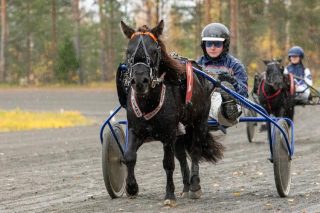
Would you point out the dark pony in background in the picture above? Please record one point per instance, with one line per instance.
(275, 90)
(155, 104)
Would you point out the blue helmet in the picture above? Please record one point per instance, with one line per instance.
(296, 51)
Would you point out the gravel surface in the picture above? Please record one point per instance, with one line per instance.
(59, 170)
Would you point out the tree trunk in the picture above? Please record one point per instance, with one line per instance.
(29, 74)
(103, 38)
(271, 28)
(54, 26)
(212, 11)
(149, 5)
(234, 27)
(3, 73)
(76, 15)
(110, 42)
(53, 50)
(287, 44)
(157, 11)
(198, 28)
(207, 11)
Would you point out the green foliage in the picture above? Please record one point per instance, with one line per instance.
(265, 29)
(67, 63)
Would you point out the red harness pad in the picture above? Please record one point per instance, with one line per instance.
(292, 88)
(189, 73)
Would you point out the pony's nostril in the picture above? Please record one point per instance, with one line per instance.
(145, 81)
(139, 86)
(133, 81)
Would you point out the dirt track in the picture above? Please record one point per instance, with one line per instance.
(60, 170)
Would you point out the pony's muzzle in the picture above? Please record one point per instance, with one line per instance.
(141, 84)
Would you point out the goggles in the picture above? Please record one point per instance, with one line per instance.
(217, 44)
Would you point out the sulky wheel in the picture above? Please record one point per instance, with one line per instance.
(251, 126)
(114, 170)
(314, 96)
(281, 159)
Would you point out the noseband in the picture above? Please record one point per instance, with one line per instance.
(151, 65)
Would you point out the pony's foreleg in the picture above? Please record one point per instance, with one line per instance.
(181, 155)
(168, 165)
(130, 157)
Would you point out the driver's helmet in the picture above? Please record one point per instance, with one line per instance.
(296, 51)
(216, 32)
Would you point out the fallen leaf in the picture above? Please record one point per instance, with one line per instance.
(259, 173)
(236, 194)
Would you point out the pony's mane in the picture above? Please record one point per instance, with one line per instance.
(144, 28)
(171, 66)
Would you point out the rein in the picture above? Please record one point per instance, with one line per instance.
(268, 97)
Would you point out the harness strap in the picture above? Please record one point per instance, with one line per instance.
(271, 96)
(189, 73)
(292, 89)
(145, 33)
(151, 114)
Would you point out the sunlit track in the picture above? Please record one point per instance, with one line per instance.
(60, 170)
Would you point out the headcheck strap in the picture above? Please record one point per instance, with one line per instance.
(189, 74)
(144, 33)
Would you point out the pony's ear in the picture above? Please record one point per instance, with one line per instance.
(279, 60)
(282, 68)
(127, 31)
(266, 62)
(157, 31)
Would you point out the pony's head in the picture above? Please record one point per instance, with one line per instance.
(143, 56)
(274, 73)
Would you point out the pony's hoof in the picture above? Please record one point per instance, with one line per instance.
(131, 196)
(132, 193)
(196, 194)
(184, 195)
(170, 203)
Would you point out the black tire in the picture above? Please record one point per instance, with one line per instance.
(251, 126)
(114, 170)
(281, 159)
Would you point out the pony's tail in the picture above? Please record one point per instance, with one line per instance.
(209, 149)
(212, 150)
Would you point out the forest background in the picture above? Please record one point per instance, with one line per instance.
(80, 41)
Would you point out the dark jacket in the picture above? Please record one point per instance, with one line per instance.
(230, 64)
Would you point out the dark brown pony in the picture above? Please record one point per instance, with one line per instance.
(274, 91)
(155, 104)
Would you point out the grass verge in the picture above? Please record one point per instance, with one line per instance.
(18, 120)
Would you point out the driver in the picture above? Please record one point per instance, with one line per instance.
(302, 75)
(215, 40)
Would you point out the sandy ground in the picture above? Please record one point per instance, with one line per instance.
(59, 170)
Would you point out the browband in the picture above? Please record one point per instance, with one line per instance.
(144, 33)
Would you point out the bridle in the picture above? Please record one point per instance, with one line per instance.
(267, 97)
(271, 63)
(153, 66)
